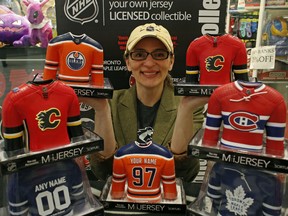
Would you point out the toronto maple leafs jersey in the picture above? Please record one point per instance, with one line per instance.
(45, 113)
(76, 58)
(212, 59)
(247, 110)
(144, 167)
(50, 189)
(237, 190)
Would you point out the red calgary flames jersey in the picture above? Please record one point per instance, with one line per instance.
(214, 58)
(144, 167)
(247, 110)
(75, 58)
(44, 110)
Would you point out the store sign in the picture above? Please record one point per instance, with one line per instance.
(263, 57)
(110, 22)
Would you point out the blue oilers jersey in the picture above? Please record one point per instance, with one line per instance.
(52, 189)
(237, 190)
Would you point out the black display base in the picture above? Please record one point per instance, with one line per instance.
(257, 160)
(91, 142)
(164, 207)
(97, 210)
(87, 90)
(188, 89)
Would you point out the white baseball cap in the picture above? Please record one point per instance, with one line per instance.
(149, 30)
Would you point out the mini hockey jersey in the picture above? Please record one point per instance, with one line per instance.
(76, 58)
(51, 189)
(144, 166)
(212, 59)
(237, 190)
(45, 113)
(247, 110)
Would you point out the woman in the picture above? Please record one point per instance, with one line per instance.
(151, 102)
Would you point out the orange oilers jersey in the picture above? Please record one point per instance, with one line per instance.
(46, 113)
(76, 58)
(144, 167)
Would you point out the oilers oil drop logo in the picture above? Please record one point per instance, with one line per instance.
(75, 60)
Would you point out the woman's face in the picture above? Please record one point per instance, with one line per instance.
(149, 73)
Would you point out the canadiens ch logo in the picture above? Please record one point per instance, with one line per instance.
(243, 121)
(81, 11)
(214, 63)
(75, 60)
(48, 119)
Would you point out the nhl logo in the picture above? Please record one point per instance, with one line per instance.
(11, 166)
(82, 11)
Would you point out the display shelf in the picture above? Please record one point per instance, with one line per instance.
(233, 176)
(164, 207)
(91, 142)
(235, 156)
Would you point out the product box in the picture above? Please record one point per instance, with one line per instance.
(232, 189)
(58, 188)
(174, 207)
(252, 159)
(86, 90)
(91, 142)
(182, 88)
(50, 182)
(239, 182)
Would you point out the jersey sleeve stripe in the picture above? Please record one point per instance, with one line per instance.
(275, 138)
(49, 62)
(213, 116)
(191, 72)
(240, 71)
(51, 68)
(118, 180)
(74, 123)
(169, 182)
(275, 124)
(96, 72)
(13, 135)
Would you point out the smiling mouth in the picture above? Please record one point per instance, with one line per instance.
(149, 73)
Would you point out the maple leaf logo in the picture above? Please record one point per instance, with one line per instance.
(237, 203)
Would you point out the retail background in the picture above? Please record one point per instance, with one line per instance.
(110, 23)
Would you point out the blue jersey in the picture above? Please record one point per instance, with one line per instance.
(237, 190)
(52, 189)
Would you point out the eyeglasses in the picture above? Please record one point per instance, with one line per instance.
(140, 55)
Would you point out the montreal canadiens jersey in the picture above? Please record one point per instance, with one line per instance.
(237, 190)
(212, 59)
(51, 189)
(144, 167)
(76, 58)
(247, 110)
(45, 113)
